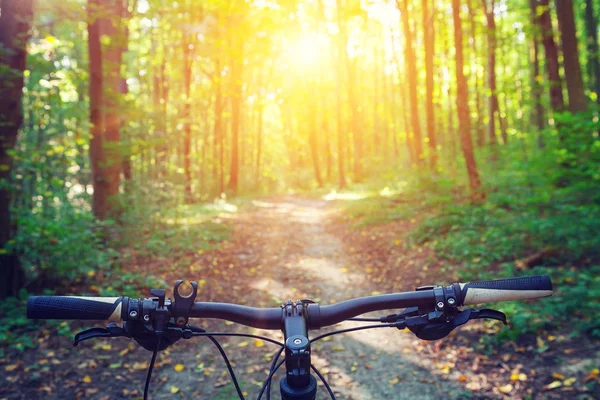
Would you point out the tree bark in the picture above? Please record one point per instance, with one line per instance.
(536, 87)
(411, 66)
(428, 24)
(96, 89)
(573, 76)
(479, 129)
(236, 104)
(15, 24)
(493, 107)
(462, 106)
(341, 50)
(113, 54)
(552, 67)
(187, 127)
(593, 56)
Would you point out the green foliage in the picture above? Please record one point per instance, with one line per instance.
(62, 242)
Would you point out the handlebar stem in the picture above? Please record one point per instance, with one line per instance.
(298, 380)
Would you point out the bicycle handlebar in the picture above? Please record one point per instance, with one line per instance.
(76, 307)
(116, 308)
(527, 287)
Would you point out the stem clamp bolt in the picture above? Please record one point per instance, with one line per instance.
(133, 314)
(451, 301)
(147, 318)
(440, 304)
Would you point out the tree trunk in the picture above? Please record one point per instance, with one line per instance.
(187, 127)
(573, 77)
(536, 87)
(556, 95)
(236, 103)
(479, 129)
(15, 24)
(113, 54)
(491, 67)
(411, 66)
(593, 56)
(341, 50)
(96, 88)
(428, 23)
(259, 134)
(312, 138)
(462, 106)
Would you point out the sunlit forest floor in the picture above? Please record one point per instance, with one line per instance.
(304, 247)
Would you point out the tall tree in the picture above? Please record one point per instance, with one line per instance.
(237, 63)
(411, 72)
(113, 29)
(96, 88)
(428, 25)
(462, 105)
(15, 23)
(593, 53)
(493, 110)
(557, 101)
(536, 88)
(479, 129)
(340, 53)
(573, 76)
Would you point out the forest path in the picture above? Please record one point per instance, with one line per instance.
(298, 244)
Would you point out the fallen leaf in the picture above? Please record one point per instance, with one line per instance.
(242, 344)
(556, 375)
(553, 385)
(174, 389)
(87, 379)
(11, 367)
(394, 381)
(518, 377)
(506, 389)
(338, 348)
(462, 378)
(569, 381)
(593, 374)
(179, 367)
(259, 343)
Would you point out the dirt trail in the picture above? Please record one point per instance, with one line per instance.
(311, 262)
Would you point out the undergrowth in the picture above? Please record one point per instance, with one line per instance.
(524, 213)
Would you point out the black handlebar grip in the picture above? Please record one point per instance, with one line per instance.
(75, 307)
(528, 287)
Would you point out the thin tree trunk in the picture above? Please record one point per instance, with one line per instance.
(187, 128)
(97, 157)
(536, 87)
(428, 22)
(236, 103)
(312, 138)
(491, 67)
(556, 95)
(259, 134)
(462, 106)
(113, 54)
(341, 50)
(573, 76)
(479, 129)
(411, 70)
(15, 24)
(593, 56)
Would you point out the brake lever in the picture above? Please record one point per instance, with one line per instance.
(111, 330)
(433, 329)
